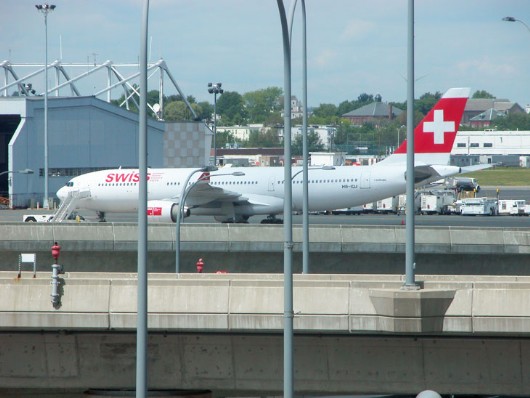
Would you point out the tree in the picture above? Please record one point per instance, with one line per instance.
(482, 94)
(364, 99)
(261, 103)
(176, 111)
(513, 121)
(230, 107)
(263, 139)
(425, 103)
(345, 107)
(224, 137)
(206, 110)
(314, 144)
(324, 114)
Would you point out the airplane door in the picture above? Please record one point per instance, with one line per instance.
(365, 179)
(271, 184)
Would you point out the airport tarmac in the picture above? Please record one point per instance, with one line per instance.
(363, 219)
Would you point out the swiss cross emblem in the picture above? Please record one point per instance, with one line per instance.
(438, 126)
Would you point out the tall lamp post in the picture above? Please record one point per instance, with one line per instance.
(45, 9)
(512, 19)
(215, 88)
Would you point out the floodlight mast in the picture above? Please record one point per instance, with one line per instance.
(215, 88)
(45, 9)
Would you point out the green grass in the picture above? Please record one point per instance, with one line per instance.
(502, 176)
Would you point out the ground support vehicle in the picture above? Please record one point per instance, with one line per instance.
(479, 206)
(438, 202)
(512, 207)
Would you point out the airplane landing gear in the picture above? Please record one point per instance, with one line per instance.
(271, 219)
(101, 216)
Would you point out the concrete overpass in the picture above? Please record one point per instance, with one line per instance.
(354, 334)
(259, 248)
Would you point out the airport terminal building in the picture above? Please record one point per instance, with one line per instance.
(84, 134)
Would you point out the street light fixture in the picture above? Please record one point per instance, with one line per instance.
(215, 88)
(512, 19)
(186, 188)
(313, 168)
(23, 171)
(45, 9)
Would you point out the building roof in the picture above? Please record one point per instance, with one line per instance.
(375, 109)
(489, 114)
(483, 104)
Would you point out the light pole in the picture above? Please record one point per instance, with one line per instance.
(142, 272)
(512, 19)
(305, 211)
(186, 188)
(399, 131)
(45, 9)
(215, 88)
(288, 313)
(305, 151)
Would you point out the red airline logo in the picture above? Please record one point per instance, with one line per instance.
(131, 176)
(154, 211)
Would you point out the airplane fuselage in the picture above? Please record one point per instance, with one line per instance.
(234, 194)
(345, 186)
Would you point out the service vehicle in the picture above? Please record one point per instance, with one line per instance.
(463, 184)
(74, 216)
(512, 207)
(37, 217)
(349, 210)
(387, 205)
(438, 202)
(479, 206)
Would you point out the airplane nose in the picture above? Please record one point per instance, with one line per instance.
(61, 193)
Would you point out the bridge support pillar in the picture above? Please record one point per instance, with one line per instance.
(411, 311)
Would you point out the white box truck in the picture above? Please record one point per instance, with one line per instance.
(512, 207)
(437, 202)
(479, 207)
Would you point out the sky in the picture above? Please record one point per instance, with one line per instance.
(353, 46)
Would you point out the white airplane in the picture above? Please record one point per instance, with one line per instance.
(235, 194)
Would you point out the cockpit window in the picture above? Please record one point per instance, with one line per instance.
(70, 184)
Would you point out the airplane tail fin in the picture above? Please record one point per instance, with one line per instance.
(435, 134)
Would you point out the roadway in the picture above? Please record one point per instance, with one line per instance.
(353, 334)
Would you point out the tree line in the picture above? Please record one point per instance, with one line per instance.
(265, 107)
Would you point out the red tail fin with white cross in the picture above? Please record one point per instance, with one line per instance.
(435, 134)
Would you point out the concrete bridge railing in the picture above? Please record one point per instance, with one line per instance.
(259, 248)
(335, 304)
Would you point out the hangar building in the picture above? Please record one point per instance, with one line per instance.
(84, 134)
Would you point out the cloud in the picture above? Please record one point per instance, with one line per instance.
(356, 29)
(487, 66)
(325, 58)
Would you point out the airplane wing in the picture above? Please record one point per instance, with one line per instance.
(477, 167)
(202, 194)
(425, 173)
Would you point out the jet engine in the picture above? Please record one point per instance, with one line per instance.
(164, 211)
